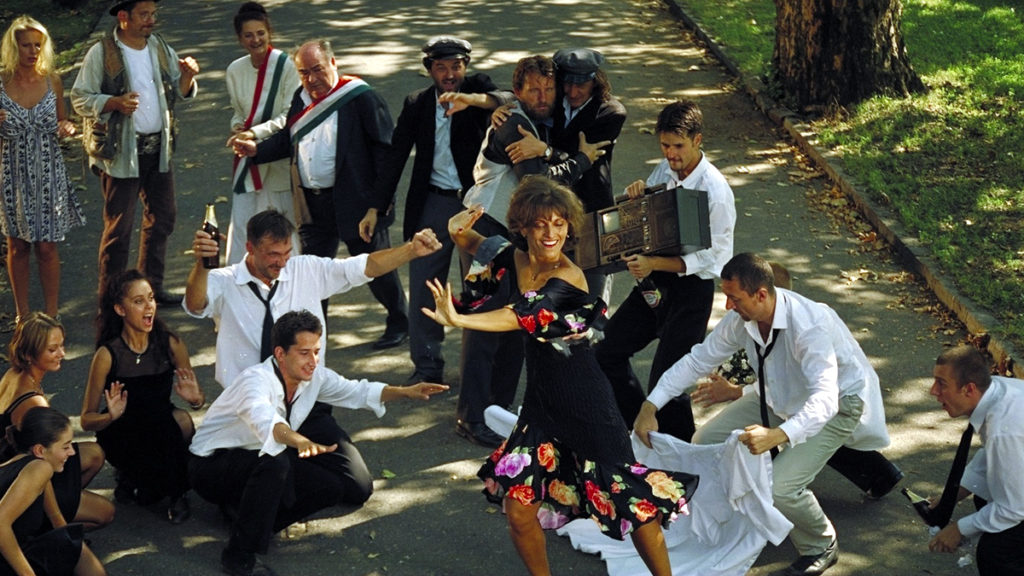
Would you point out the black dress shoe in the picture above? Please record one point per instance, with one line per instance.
(815, 564)
(478, 433)
(166, 298)
(243, 564)
(884, 484)
(179, 510)
(390, 340)
(418, 377)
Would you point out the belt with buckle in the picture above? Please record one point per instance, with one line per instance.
(318, 191)
(147, 143)
(448, 192)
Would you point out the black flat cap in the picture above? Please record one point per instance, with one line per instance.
(120, 5)
(443, 47)
(578, 65)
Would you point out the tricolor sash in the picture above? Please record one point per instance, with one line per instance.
(347, 88)
(245, 176)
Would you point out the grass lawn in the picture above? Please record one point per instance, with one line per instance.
(949, 162)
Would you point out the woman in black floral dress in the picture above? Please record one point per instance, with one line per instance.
(569, 455)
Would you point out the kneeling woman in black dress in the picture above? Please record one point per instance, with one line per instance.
(569, 455)
(34, 538)
(137, 363)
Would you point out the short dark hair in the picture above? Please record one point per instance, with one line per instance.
(30, 339)
(270, 224)
(968, 364)
(251, 11)
(751, 271)
(536, 64)
(40, 425)
(682, 118)
(290, 324)
(536, 197)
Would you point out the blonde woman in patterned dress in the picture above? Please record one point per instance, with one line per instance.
(37, 202)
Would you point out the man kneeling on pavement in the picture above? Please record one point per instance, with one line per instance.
(252, 456)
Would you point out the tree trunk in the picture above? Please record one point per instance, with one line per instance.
(840, 51)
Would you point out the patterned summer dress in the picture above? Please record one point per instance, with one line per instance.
(570, 449)
(37, 200)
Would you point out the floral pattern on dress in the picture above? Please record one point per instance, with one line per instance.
(532, 468)
(38, 202)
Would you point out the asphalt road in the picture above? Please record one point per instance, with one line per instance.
(427, 516)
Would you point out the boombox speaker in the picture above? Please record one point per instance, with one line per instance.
(664, 222)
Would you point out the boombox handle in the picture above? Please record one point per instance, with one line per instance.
(657, 188)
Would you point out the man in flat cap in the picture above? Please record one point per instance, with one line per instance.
(490, 377)
(126, 92)
(588, 107)
(584, 105)
(446, 123)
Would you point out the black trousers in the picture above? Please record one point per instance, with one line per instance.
(272, 492)
(863, 468)
(1000, 553)
(491, 362)
(321, 237)
(679, 323)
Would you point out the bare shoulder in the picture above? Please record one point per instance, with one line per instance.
(567, 270)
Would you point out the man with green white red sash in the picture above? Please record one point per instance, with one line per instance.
(339, 132)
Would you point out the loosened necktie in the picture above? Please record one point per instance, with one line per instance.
(266, 349)
(760, 379)
(943, 511)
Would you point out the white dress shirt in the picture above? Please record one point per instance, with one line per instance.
(303, 283)
(443, 173)
(707, 263)
(245, 413)
(317, 151)
(996, 473)
(812, 365)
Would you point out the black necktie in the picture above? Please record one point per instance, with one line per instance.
(943, 511)
(268, 319)
(760, 380)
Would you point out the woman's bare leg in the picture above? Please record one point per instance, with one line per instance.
(649, 542)
(18, 252)
(88, 564)
(184, 420)
(92, 457)
(94, 511)
(48, 261)
(528, 536)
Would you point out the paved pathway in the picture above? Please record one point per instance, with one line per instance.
(428, 517)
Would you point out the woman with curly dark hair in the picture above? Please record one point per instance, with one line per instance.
(569, 455)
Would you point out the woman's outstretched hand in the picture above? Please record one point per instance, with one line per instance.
(464, 220)
(444, 311)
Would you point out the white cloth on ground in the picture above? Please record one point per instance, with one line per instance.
(731, 515)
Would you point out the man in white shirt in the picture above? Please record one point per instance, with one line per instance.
(298, 283)
(136, 108)
(686, 283)
(251, 457)
(995, 408)
(814, 383)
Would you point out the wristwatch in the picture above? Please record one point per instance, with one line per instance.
(547, 153)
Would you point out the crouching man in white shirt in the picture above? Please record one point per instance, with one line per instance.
(813, 388)
(251, 459)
